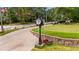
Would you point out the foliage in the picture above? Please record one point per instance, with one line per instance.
(30, 14)
(23, 15)
(63, 13)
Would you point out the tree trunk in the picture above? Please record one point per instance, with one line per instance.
(2, 29)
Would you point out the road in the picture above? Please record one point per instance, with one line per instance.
(8, 27)
(20, 40)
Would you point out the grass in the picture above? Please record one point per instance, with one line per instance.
(6, 32)
(55, 47)
(61, 30)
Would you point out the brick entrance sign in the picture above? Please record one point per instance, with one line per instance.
(58, 40)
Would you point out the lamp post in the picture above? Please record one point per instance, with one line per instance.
(2, 11)
(62, 17)
(46, 14)
(39, 22)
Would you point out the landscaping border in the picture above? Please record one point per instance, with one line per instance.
(58, 40)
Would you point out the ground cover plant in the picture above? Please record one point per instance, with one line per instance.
(55, 47)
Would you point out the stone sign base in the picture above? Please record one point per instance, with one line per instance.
(58, 40)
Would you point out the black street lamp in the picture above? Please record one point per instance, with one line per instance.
(39, 22)
(46, 9)
(2, 11)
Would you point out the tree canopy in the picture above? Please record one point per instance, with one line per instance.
(29, 14)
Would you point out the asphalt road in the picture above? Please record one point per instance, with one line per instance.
(20, 40)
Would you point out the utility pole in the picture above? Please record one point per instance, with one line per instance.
(46, 16)
(2, 11)
(1, 20)
(2, 29)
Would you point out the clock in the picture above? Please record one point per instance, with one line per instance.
(38, 21)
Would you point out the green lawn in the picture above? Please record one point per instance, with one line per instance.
(55, 47)
(61, 30)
